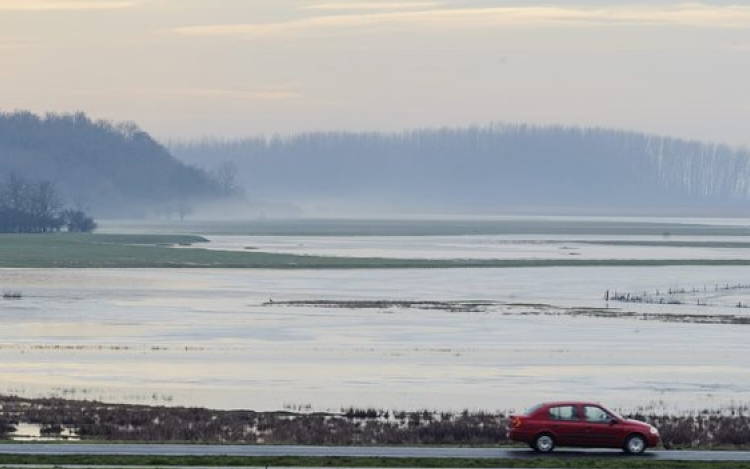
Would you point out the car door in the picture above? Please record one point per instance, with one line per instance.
(600, 427)
(565, 424)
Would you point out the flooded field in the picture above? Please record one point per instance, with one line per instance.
(319, 340)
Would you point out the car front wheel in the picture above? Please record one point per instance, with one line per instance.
(635, 444)
(544, 443)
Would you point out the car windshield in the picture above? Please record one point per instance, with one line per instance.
(613, 413)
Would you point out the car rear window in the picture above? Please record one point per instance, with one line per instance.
(563, 412)
(531, 410)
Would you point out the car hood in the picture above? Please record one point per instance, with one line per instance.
(636, 423)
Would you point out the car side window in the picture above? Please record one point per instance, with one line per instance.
(595, 414)
(563, 412)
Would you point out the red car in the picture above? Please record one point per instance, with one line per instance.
(585, 424)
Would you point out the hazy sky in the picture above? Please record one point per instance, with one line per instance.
(192, 68)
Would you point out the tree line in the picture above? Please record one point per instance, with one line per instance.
(28, 206)
(117, 169)
(497, 168)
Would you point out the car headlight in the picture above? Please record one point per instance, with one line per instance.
(654, 431)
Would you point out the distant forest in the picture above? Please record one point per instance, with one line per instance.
(493, 169)
(108, 170)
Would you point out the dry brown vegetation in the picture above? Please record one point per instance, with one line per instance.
(92, 420)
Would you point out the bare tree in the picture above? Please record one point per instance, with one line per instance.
(225, 176)
(77, 221)
(44, 201)
(14, 193)
(184, 209)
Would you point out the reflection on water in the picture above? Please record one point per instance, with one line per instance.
(212, 338)
(553, 247)
(225, 338)
(35, 432)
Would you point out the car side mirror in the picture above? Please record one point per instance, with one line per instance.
(613, 421)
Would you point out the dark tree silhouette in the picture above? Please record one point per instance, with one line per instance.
(36, 207)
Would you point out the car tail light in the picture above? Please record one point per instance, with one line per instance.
(515, 422)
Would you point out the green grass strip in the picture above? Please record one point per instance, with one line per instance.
(65, 250)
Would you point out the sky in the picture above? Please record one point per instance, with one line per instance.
(188, 69)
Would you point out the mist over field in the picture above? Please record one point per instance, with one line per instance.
(489, 170)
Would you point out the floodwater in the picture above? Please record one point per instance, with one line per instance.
(226, 339)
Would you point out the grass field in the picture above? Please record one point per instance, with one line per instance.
(64, 250)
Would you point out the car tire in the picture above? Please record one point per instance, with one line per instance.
(635, 444)
(544, 443)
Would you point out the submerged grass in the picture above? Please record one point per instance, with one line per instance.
(66, 250)
(92, 421)
(120, 423)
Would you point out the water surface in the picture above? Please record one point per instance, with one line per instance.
(224, 338)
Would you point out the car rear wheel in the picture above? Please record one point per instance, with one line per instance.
(635, 444)
(544, 443)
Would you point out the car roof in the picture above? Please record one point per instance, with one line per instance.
(559, 403)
